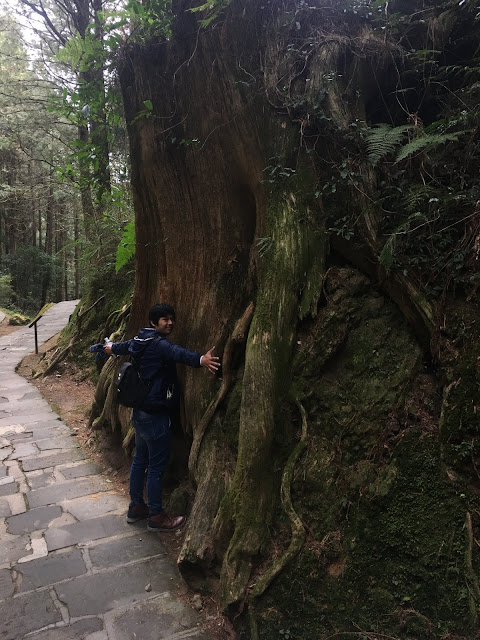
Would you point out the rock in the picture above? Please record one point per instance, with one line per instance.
(17, 319)
(148, 587)
(197, 602)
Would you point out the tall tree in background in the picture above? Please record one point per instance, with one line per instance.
(69, 61)
(78, 26)
(31, 151)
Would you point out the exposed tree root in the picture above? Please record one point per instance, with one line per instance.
(238, 336)
(102, 410)
(103, 396)
(298, 530)
(116, 321)
(470, 576)
(252, 619)
(128, 440)
(60, 353)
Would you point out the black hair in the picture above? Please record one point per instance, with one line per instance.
(160, 311)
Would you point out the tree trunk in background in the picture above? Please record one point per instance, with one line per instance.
(34, 224)
(249, 116)
(90, 222)
(40, 246)
(76, 254)
(49, 221)
(60, 254)
(49, 243)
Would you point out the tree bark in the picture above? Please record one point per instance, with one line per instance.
(249, 116)
(199, 181)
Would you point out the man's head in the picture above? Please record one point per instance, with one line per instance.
(162, 318)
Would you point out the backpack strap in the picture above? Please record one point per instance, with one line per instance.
(135, 360)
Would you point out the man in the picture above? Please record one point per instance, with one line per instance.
(157, 358)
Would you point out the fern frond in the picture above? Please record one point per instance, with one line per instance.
(426, 140)
(387, 255)
(417, 196)
(126, 246)
(384, 139)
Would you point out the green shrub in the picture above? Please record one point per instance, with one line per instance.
(6, 291)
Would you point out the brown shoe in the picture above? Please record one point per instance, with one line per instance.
(165, 522)
(138, 512)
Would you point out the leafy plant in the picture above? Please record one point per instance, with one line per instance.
(343, 227)
(212, 8)
(276, 172)
(6, 290)
(425, 141)
(126, 247)
(383, 139)
(387, 255)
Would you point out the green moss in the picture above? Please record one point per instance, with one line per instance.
(231, 418)
(387, 551)
(117, 292)
(397, 568)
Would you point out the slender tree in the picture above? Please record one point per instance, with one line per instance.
(31, 147)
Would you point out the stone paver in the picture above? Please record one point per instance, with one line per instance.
(81, 630)
(39, 478)
(13, 548)
(95, 505)
(33, 520)
(27, 613)
(155, 619)
(100, 592)
(87, 469)
(8, 489)
(66, 491)
(71, 568)
(80, 532)
(60, 442)
(139, 546)
(6, 584)
(53, 568)
(24, 449)
(43, 462)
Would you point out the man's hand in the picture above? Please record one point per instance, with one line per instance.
(210, 362)
(108, 349)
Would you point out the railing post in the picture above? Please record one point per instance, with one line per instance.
(33, 323)
(36, 337)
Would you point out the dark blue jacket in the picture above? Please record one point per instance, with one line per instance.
(157, 358)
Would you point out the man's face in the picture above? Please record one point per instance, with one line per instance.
(164, 325)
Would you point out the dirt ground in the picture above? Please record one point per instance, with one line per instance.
(70, 392)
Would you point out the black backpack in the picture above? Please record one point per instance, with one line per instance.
(132, 389)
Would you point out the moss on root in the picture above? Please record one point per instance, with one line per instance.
(395, 567)
(113, 294)
(388, 550)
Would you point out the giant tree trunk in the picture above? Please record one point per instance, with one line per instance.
(248, 117)
(223, 182)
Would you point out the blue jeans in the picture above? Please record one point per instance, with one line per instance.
(152, 450)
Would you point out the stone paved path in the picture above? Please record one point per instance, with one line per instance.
(70, 566)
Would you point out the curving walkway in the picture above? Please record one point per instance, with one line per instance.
(70, 566)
